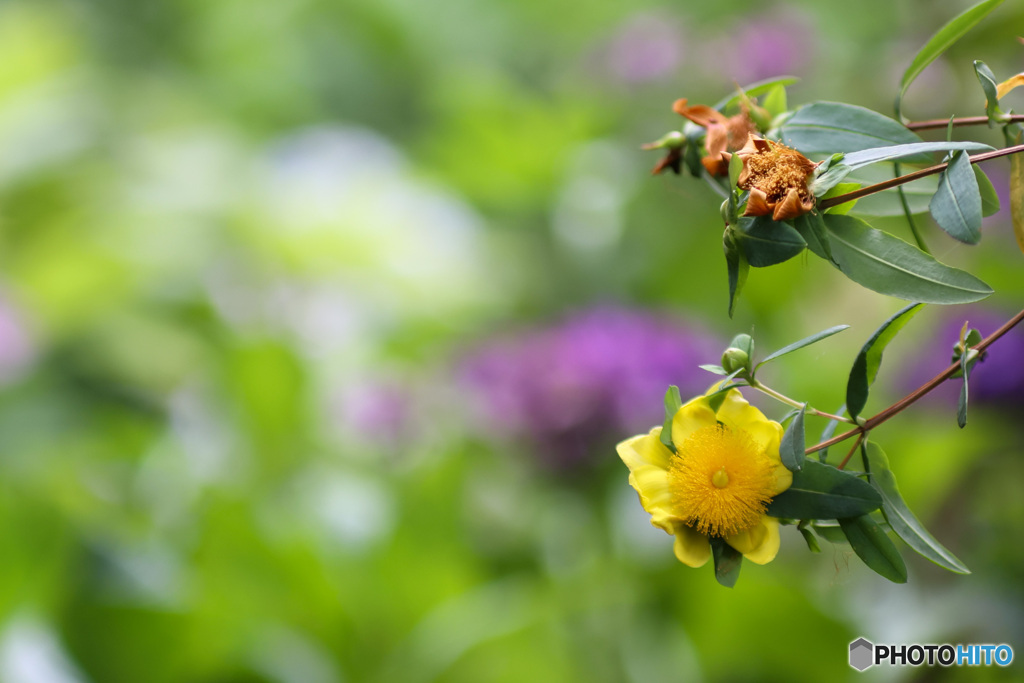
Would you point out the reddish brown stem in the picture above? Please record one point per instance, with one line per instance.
(932, 124)
(909, 177)
(852, 451)
(912, 397)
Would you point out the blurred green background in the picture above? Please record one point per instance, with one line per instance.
(319, 321)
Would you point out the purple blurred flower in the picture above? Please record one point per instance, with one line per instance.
(599, 374)
(375, 410)
(996, 381)
(762, 46)
(16, 349)
(647, 47)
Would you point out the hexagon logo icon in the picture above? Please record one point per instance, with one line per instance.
(861, 654)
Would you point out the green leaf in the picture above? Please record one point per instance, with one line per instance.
(835, 173)
(902, 520)
(827, 127)
(866, 157)
(806, 341)
(716, 369)
(824, 492)
(811, 227)
(956, 206)
(736, 263)
(755, 89)
(961, 407)
(673, 402)
(865, 366)
(775, 100)
(873, 547)
(716, 397)
(766, 242)
(830, 531)
(743, 342)
(940, 42)
(989, 196)
(791, 450)
(812, 542)
(988, 85)
(841, 188)
(691, 156)
(735, 168)
(887, 203)
(829, 432)
(890, 266)
(728, 562)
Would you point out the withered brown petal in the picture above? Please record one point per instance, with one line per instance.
(790, 207)
(701, 114)
(757, 204)
(716, 165)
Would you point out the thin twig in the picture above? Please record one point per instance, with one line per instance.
(912, 397)
(852, 451)
(932, 124)
(910, 177)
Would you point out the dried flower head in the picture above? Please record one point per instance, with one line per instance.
(724, 133)
(777, 177)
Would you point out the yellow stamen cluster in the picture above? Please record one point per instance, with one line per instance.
(777, 177)
(777, 169)
(721, 482)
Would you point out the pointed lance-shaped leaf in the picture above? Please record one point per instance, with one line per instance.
(906, 525)
(736, 263)
(874, 548)
(988, 85)
(823, 492)
(869, 359)
(989, 197)
(673, 402)
(791, 449)
(956, 205)
(827, 127)
(829, 178)
(806, 341)
(888, 265)
(811, 227)
(940, 42)
(766, 242)
(829, 431)
(755, 89)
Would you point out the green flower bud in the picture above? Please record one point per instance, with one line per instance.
(735, 359)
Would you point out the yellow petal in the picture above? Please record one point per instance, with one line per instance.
(736, 413)
(783, 478)
(692, 547)
(645, 449)
(655, 496)
(1009, 84)
(692, 416)
(647, 460)
(760, 545)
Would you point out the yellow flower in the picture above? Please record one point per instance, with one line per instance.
(777, 177)
(725, 471)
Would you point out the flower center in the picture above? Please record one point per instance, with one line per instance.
(720, 481)
(777, 170)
